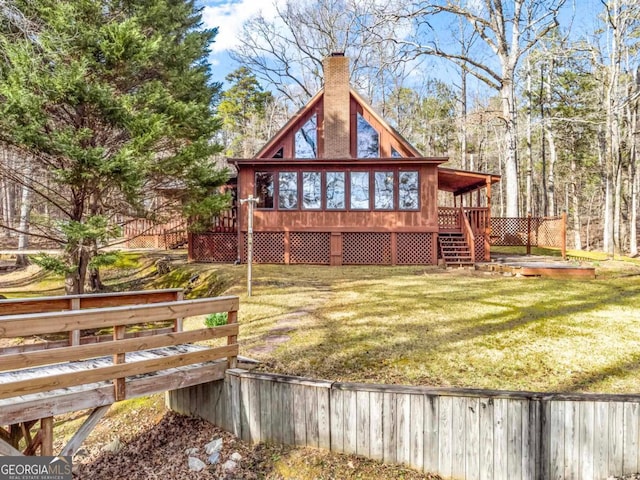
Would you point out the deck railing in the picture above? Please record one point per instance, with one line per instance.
(118, 319)
(450, 218)
(469, 237)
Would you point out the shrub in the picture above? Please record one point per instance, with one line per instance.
(216, 319)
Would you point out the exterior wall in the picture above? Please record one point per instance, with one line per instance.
(423, 220)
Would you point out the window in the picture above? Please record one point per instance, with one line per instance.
(368, 140)
(264, 189)
(359, 190)
(279, 153)
(394, 153)
(383, 191)
(335, 190)
(311, 190)
(408, 191)
(287, 190)
(306, 139)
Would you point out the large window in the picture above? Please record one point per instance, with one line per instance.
(408, 188)
(306, 139)
(359, 199)
(311, 190)
(264, 189)
(368, 139)
(335, 190)
(383, 191)
(287, 190)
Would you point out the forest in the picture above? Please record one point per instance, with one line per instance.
(105, 103)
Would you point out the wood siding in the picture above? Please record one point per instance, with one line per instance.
(456, 433)
(423, 220)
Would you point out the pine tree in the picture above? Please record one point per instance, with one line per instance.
(113, 100)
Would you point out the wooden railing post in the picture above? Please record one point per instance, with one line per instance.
(178, 322)
(232, 317)
(529, 234)
(74, 335)
(119, 383)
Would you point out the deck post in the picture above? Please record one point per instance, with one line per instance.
(563, 233)
(74, 335)
(119, 383)
(46, 436)
(529, 234)
(232, 317)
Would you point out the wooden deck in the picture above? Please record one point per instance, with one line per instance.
(38, 382)
(543, 269)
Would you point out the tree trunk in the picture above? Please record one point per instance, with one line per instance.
(22, 260)
(511, 149)
(529, 175)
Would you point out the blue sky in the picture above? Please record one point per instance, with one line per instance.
(228, 16)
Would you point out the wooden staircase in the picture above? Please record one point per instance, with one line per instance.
(454, 249)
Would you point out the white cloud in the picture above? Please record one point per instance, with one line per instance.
(229, 16)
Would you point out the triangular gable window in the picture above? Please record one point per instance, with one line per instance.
(394, 153)
(279, 153)
(368, 139)
(306, 139)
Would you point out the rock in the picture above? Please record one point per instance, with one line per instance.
(191, 451)
(114, 446)
(214, 458)
(195, 464)
(213, 446)
(163, 266)
(236, 457)
(229, 466)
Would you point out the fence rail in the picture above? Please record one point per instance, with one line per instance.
(456, 433)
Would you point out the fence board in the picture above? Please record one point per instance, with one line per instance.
(601, 440)
(486, 439)
(431, 433)
(586, 440)
(458, 439)
(416, 458)
(500, 439)
(514, 429)
(376, 405)
(571, 441)
(616, 436)
(266, 410)
(350, 425)
(445, 453)
(389, 428)
(324, 426)
(472, 446)
(299, 414)
(311, 419)
(556, 443)
(630, 454)
(337, 420)
(362, 423)
(403, 418)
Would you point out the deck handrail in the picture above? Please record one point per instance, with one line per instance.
(117, 318)
(469, 237)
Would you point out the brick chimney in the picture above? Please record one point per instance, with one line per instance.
(337, 143)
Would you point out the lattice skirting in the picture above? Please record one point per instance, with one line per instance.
(416, 248)
(310, 247)
(363, 248)
(146, 241)
(214, 247)
(480, 250)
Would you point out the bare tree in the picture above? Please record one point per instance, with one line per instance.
(287, 51)
(508, 29)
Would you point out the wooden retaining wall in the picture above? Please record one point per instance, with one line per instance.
(457, 433)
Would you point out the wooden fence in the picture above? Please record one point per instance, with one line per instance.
(530, 232)
(457, 433)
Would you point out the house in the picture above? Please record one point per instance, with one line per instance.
(338, 185)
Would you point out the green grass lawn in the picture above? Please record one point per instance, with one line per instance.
(426, 326)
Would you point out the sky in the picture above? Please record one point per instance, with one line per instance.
(228, 16)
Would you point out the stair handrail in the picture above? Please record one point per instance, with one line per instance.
(468, 235)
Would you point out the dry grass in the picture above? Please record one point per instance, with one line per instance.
(426, 326)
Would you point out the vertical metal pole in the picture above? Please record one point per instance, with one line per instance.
(250, 201)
